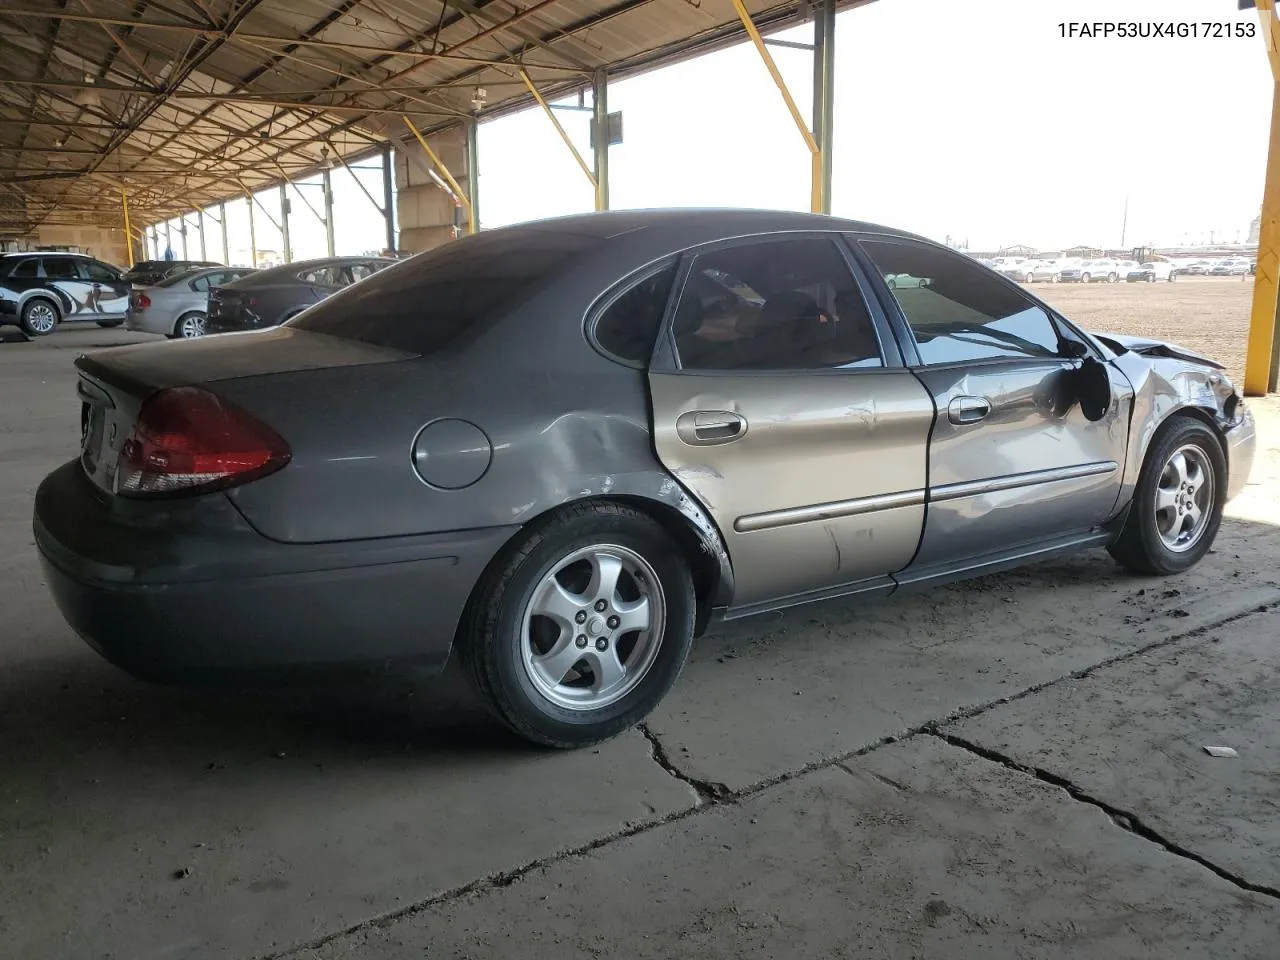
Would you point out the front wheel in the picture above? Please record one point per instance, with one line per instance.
(1173, 277)
(1085, 278)
(1112, 277)
(581, 628)
(1177, 506)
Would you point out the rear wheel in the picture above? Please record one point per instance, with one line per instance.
(1177, 506)
(39, 317)
(1086, 278)
(1112, 277)
(189, 326)
(581, 628)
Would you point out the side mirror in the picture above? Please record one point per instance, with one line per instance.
(1093, 388)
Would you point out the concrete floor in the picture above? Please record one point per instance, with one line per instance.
(1011, 767)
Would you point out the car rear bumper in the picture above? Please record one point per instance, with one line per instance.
(187, 590)
(1242, 441)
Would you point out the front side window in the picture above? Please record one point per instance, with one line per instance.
(774, 305)
(100, 273)
(60, 268)
(957, 311)
(629, 326)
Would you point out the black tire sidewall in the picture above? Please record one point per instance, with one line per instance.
(1180, 433)
(511, 690)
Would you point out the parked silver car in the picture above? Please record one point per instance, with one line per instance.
(178, 306)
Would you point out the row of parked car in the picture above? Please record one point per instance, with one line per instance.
(179, 299)
(1105, 270)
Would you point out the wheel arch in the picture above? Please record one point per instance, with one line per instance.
(49, 296)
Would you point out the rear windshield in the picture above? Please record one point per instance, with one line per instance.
(428, 303)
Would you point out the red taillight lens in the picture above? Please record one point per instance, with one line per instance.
(143, 301)
(188, 440)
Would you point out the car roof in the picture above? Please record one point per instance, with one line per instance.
(273, 274)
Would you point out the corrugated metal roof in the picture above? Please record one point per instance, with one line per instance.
(186, 102)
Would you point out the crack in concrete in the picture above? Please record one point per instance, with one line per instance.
(711, 794)
(707, 791)
(1124, 819)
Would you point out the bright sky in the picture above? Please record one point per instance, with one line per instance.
(973, 119)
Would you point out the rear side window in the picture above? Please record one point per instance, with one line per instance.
(432, 301)
(26, 269)
(628, 327)
(957, 310)
(201, 284)
(60, 268)
(324, 277)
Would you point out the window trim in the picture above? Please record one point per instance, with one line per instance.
(903, 326)
(667, 356)
(600, 306)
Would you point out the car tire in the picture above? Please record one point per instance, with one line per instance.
(108, 324)
(1173, 277)
(40, 317)
(189, 326)
(1029, 278)
(1085, 278)
(1112, 277)
(1176, 508)
(521, 644)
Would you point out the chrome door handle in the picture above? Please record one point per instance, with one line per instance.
(963, 410)
(704, 428)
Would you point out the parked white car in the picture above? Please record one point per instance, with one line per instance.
(1091, 271)
(1047, 271)
(1153, 270)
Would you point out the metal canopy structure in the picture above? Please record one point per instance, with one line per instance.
(183, 103)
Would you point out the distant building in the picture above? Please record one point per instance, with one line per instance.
(1017, 250)
(1082, 252)
(1255, 228)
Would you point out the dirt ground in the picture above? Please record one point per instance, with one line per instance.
(1009, 768)
(1206, 314)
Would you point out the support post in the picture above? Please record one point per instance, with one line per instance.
(128, 233)
(325, 182)
(600, 105)
(444, 172)
(182, 232)
(815, 153)
(204, 253)
(473, 170)
(824, 89)
(287, 252)
(168, 236)
(226, 241)
(388, 196)
(253, 233)
(551, 115)
(1264, 326)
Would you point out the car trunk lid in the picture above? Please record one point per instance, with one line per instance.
(114, 382)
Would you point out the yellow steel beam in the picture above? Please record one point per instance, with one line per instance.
(1270, 34)
(1266, 284)
(551, 115)
(128, 234)
(815, 152)
(444, 172)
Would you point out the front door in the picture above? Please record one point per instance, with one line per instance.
(1013, 458)
(110, 291)
(63, 273)
(783, 406)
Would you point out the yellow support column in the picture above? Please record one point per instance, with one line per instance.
(128, 234)
(546, 108)
(815, 169)
(448, 177)
(1266, 284)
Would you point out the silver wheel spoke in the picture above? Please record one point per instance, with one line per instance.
(1194, 515)
(560, 660)
(605, 570)
(554, 601)
(1166, 499)
(632, 616)
(1178, 464)
(606, 668)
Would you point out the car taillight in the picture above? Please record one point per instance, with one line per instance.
(143, 301)
(187, 440)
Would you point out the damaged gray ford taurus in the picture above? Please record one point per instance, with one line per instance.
(561, 449)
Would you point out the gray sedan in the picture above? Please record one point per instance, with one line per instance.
(178, 306)
(559, 450)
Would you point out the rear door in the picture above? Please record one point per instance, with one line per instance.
(1013, 459)
(781, 402)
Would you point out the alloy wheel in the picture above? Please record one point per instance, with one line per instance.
(1184, 498)
(41, 318)
(191, 327)
(592, 628)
